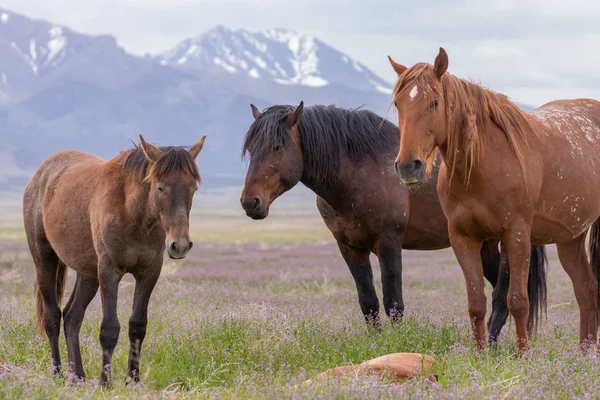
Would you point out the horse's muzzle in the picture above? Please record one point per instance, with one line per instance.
(254, 207)
(412, 172)
(179, 248)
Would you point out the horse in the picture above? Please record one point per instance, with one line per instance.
(104, 219)
(345, 157)
(509, 175)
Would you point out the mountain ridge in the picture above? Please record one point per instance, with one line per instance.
(96, 97)
(278, 54)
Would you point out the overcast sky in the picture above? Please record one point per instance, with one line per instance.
(533, 51)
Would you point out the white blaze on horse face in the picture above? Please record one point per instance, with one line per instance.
(413, 92)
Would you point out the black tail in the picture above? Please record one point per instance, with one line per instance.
(595, 253)
(536, 287)
(61, 280)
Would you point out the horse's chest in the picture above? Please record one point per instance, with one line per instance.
(138, 256)
(347, 227)
(133, 251)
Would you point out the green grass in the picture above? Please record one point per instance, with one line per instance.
(257, 357)
(240, 320)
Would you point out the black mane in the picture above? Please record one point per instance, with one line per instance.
(327, 133)
(173, 158)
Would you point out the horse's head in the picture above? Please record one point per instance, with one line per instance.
(173, 176)
(276, 161)
(419, 100)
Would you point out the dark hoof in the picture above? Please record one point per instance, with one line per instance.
(132, 380)
(396, 318)
(57, 371)
(76, 379)
(374, 326)
(105, 384)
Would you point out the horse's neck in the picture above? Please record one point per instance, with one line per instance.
(491, 147)
(335, 190)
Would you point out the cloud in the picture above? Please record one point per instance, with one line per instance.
(532, 50)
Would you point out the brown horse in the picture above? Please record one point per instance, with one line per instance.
(105, 219)
(507, 174)
(345, 157)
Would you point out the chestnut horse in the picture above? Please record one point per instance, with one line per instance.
(345, 157)
(104, 219)
(507, 175)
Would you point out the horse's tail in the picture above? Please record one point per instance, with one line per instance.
(536, 287)
(61, 280)
(595, 253)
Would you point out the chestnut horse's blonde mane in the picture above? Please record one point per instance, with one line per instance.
(470, 111)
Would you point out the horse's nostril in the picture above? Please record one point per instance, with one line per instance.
(191, 245)
(418, 164)
(173, 247)
(256, 202)
(397, 166)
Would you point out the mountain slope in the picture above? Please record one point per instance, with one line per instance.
(278, 55)
(91, 95)
(32, 50)
(95, 97)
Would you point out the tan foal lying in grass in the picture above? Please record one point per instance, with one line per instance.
(397, 366)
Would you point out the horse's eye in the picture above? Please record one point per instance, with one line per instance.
(434, 104)
(160, 189)
(277, 147)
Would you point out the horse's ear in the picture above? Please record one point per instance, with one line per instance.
(440, 65)
(196, 148)
(255, 111)
(152, 152)
(294, 116)
(399, 68)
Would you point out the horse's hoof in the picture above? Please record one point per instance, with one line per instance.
(132, 380)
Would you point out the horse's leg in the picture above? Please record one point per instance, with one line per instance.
(390, 260)
(85, 290)
(46, 269)
(574, 260)
(468, 254)
(518, 247)
(109, 278)
(360, 267)
(139, 319)
(495, 270)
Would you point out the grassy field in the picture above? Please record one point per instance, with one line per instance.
(258, 307)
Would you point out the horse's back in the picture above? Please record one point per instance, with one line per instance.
(560, 117)
(49, 173)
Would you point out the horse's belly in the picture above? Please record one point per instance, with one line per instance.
(563, 222)
(73, 245)
(67, 227)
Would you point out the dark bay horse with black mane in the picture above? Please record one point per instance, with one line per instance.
(104, 219)
(346, 158)
(510, 175)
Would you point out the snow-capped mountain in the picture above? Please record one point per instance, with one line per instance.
(39, 46)
(60, 89)
(279, 55)
(33, 49)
